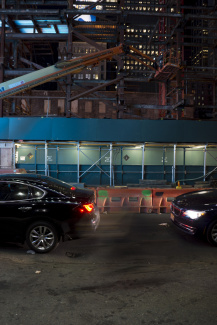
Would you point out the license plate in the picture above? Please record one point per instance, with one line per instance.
(172, 217)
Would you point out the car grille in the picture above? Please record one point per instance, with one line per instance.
(176, 211)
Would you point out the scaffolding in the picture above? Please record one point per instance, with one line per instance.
(37, 34)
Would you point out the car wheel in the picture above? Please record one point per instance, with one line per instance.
(212, 233)
(42, 237)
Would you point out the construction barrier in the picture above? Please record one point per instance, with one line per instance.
(162, 198)
(138, 200)
(118, 199)
(12, 171)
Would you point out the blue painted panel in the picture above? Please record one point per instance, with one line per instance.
(131, 174)
(213, 171)
(27, 167)
(29, 128)
(180, 172)
(154, 172)
(67, 177)
(193, 174)
(91, 176)
(107, 130)
(4, 128)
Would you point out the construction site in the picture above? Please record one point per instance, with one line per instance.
(172, 76)
(111, 92)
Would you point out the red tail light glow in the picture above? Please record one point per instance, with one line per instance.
(87, 208)
(73, 188)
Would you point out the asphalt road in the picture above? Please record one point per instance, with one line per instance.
(137, 269)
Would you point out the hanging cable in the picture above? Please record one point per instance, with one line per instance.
(193, 179)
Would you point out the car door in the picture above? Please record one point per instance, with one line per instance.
(15, 207)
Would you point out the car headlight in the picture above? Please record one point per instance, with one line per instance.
(194, 214)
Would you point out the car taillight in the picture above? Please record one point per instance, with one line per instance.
(73, 188)
(87, 208)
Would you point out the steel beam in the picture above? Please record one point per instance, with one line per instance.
(2, 54)
(37, 66)
(29, 12)
(95, 89)
(87, 40)
(168, 107)
(17, 72)
(36, 37)
(201, 17)
(38, 3)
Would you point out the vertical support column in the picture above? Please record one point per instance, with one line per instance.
(120, 87)
(179, 56)
(143, 161)
(2, 54)
(111, 172)
(162, 30)
(15, 54)
(185, 172)
(69, 56)
(14, 156)
(100, 163)
(57, 156)
(78, 163)
(36, 159)
(122, 171)
(204, 162)
(45, 159)
(174, 165)
(164, 158)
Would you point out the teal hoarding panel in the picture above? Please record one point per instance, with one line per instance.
(179, 156)
(4, 128)
(168, 157)
(89, 156)
(51, 156)
(133, 130)
(26, 155)
(107, 130)
(153, 156)
(211, 157)
(132, 156)
(194, 157)
(29, 128)
(68, 156)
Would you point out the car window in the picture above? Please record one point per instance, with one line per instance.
(36, 192)
(57, 185)
(4, 191)
(12, 191)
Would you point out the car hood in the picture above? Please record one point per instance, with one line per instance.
(197, 200)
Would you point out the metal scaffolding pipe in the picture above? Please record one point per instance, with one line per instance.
(36, 37)
(29, 12)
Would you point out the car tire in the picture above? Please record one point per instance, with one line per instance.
(211, 233)
(42, 237)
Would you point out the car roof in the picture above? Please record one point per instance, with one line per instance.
(36, 178)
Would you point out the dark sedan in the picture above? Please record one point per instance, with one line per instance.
(41, 211)
(196, 213)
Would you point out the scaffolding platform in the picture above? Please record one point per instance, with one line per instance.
(167, 72)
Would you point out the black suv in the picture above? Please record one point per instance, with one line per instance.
(42, 210)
